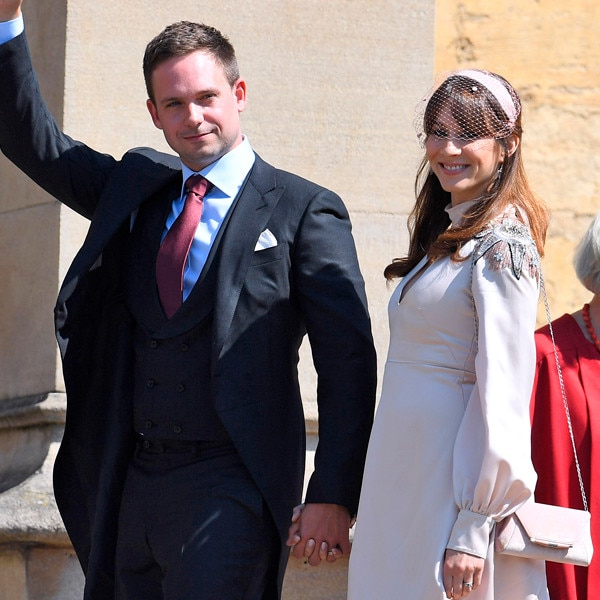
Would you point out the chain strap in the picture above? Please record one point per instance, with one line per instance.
(564, 393)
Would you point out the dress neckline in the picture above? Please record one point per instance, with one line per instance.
(457, 213)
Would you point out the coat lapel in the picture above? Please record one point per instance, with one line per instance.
(251, 213)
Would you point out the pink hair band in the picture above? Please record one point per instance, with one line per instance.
(496, 88)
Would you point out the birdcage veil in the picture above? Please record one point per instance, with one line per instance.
(467, 105)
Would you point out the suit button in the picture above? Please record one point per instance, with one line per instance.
(146, 444)
(153, 344)
(176, 429)
(184, 347)
(180, 387)
(150, 383)
(148, 424)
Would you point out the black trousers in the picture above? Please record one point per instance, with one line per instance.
(194, 526)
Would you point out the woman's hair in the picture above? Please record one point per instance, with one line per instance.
(479, 114)
(587, 257)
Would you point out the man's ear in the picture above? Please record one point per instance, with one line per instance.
(240, 92)
(153, 113)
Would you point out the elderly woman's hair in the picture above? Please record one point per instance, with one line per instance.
(587, 257)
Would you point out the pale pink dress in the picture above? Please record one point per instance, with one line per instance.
(450, 448)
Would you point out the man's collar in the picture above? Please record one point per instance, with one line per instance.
(228, 172)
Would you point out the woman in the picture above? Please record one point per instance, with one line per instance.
(449, 451)
(577, 342)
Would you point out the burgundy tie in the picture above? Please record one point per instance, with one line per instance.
(170, 262)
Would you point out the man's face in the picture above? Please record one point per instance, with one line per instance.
(196, 108)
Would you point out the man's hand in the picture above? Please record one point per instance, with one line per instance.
(320, 532)
(10, 9)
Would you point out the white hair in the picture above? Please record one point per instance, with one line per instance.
(587, 257)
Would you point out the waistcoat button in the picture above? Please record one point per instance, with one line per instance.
(176, 429)
(150, 383)
(153, 344)
(180, 387)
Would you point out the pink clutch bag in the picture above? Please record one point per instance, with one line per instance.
(546, 532)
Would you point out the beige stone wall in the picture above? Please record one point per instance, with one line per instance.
(30, 244)
(331, 92)
(549, 51)
(332, 86)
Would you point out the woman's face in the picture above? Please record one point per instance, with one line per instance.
(464, 167)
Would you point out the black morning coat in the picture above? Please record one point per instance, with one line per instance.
(265, 302)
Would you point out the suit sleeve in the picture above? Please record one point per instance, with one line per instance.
(334, 307)
(30, 137)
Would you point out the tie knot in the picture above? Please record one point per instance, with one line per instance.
(197, 185)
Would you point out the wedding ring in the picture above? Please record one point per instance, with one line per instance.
(468, 584)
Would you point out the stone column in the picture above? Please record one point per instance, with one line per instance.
(332, 86)
(36, 240)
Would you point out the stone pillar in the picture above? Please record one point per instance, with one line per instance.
(36, 241)
(332, 86)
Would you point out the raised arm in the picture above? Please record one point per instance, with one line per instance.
(30, 136)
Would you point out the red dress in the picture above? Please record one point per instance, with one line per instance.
(551, 445)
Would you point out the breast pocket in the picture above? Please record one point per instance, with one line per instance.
(268, 255)
(267, 279)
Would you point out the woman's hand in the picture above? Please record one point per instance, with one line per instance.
(461, 574)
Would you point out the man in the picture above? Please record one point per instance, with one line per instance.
(183, 451)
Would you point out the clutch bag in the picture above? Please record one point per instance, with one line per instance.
(546, 532)
(543, 531)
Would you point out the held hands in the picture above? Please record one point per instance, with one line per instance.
(320, 532)
(10, 9)
(462, 574)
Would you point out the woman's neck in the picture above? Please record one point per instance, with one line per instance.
(594, 319)
(595, 313)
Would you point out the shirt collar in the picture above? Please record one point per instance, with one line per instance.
(229, 172)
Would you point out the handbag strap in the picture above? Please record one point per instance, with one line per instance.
(564, 393)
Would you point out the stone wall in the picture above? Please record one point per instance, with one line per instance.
(331, 89)
(549, 51)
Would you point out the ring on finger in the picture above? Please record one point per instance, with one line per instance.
(468, 584)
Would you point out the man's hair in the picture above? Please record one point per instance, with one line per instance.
(183, 38)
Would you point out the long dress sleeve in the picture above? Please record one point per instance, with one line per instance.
(492, 471)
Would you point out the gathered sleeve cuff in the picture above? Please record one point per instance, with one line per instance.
(471, 533)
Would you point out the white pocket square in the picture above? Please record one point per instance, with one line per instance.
(265, 240)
